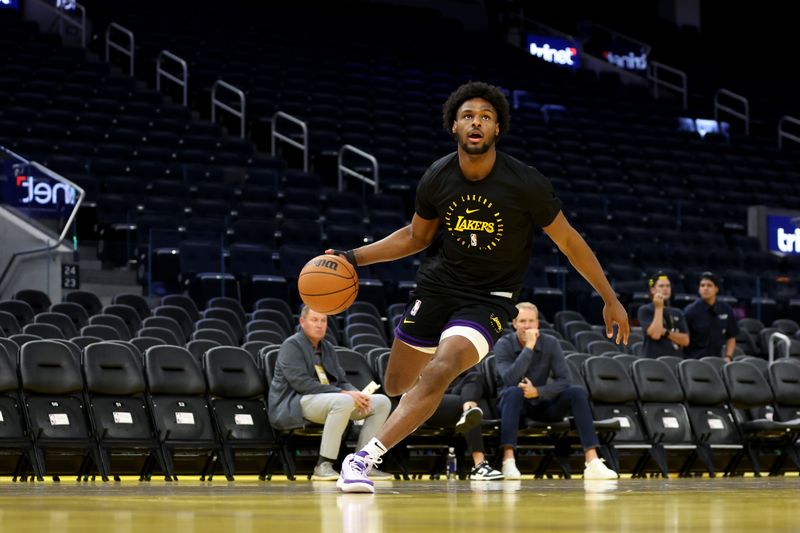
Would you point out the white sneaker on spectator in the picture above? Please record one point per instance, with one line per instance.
(380, 475)
(596, 469)
(484, 472)
(324, 472)
(510, 470)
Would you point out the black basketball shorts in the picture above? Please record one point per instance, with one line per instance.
(430, 317)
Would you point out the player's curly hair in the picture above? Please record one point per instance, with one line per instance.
(477, 89)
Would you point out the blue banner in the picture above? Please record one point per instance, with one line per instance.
(783, 234)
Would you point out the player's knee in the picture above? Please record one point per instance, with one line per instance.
(394, 385)
(438, 375)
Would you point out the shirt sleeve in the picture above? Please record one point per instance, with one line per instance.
(425, 206)
(545, 205)
(682, 326)
(645, 316)
(511, 369)
(558, 371)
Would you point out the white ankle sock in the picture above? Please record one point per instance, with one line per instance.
(374, 448)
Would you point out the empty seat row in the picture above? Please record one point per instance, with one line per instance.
(108, 414)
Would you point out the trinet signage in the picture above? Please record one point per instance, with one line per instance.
(783, 234)
(629, 61)
(554, 50)
(44, 193)
(24, 187)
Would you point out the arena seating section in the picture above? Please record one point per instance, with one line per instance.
(219, 230)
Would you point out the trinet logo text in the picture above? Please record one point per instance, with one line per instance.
(629, 61)
(554, 55)
(789, 242)
(43, 193)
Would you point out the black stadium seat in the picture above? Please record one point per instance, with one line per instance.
(14, 435)
(613, 396)
(237, 395)
(663, 412)
(177, 398)
(751, 400)
(115, 388)
(22, 311)
(52, 388)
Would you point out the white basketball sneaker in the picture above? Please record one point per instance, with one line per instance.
(597, 469)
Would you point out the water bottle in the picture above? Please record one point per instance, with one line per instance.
(452, 464)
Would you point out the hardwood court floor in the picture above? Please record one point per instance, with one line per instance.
(249, 506)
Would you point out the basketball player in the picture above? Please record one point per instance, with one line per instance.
(487, 204)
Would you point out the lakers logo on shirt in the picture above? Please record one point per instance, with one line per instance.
(474, 222)
(496, 324)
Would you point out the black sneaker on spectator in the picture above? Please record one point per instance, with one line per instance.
(484, 472)
(469, 419)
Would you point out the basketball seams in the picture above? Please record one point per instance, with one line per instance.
(349, 287)
(325, 273)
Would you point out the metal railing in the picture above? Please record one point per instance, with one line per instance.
(347, 171)
(783, 134)
(130, 51)
(775, 339)
(654, 76)
(160, 72)
(276, 136)
(744, 115)
(215, 103)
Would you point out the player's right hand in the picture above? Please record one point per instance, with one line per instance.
(348, 255)
(615, 314)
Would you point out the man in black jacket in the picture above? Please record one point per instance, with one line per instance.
(310, 384)
(526, 362)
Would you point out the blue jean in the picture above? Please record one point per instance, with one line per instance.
(514, 406)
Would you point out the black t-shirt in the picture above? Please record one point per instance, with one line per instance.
(710, 326)
(487, 224)
(673, 320)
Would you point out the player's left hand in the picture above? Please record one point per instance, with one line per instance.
(615, 314)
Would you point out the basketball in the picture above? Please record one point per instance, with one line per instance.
(328, 284)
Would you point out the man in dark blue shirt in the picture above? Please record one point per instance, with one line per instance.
(525, 361)
(712, 323)
(664, 326)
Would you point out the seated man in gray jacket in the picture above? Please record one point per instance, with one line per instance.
(310, 384)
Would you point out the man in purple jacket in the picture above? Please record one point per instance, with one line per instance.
(525, 360)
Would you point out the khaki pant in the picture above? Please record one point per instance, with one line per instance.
(335, 410)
